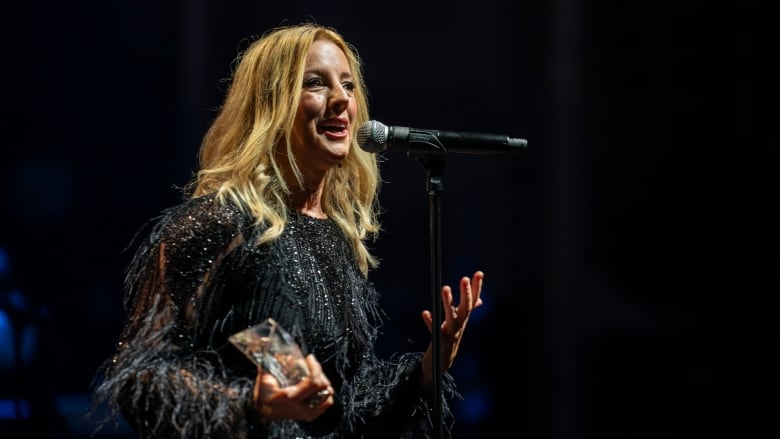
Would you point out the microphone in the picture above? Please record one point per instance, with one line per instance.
(374, 136)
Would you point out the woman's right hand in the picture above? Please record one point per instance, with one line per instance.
(304, 401)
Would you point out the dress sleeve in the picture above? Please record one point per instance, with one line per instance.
(386, 398)
(393, 402)
(166, 378)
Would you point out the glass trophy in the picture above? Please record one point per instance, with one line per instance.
(274, 350)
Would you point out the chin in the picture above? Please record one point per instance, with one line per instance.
(340, 154)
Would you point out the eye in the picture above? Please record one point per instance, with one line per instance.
(348, 86)
(313, 82)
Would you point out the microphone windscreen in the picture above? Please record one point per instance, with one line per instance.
(372, 136)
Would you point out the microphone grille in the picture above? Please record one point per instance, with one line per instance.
(372, 136)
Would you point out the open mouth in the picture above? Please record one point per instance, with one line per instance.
(334, 129)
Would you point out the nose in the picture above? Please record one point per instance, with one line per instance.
(339, 98)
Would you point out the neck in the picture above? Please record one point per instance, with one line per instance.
(308, 201)
(305, 198)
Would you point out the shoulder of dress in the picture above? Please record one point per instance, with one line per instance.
(201, 216)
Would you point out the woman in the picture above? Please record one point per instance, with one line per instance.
(275, 225)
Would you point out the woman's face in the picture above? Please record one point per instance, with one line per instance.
(326, 109)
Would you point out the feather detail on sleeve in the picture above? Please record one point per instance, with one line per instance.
(158, 380)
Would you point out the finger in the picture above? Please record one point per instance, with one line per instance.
(317, 376)
(318, 398)
(270, 382)
(315, 368)
(446, 301)
(476, 286)
(466, 294)
(317, 393)
(267, 387)
(428, 320)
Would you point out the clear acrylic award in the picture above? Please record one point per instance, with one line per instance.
(274, 350)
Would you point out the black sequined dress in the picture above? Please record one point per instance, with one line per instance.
(200, 277)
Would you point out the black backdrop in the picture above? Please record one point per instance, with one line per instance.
(631, 255)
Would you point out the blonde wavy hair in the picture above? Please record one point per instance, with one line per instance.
(238, 157)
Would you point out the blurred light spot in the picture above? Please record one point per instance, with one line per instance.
(7, 355)
(476, 405)
(16, 321)
(17, 300)
(5, 263)
(14, 409)
(73, 408)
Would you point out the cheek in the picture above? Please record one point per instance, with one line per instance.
(352, 109)
(310, 106)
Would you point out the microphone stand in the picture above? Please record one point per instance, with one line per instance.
(434, 165)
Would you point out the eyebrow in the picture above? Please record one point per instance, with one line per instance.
(320, 72)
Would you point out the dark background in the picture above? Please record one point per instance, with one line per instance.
(631, 256)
